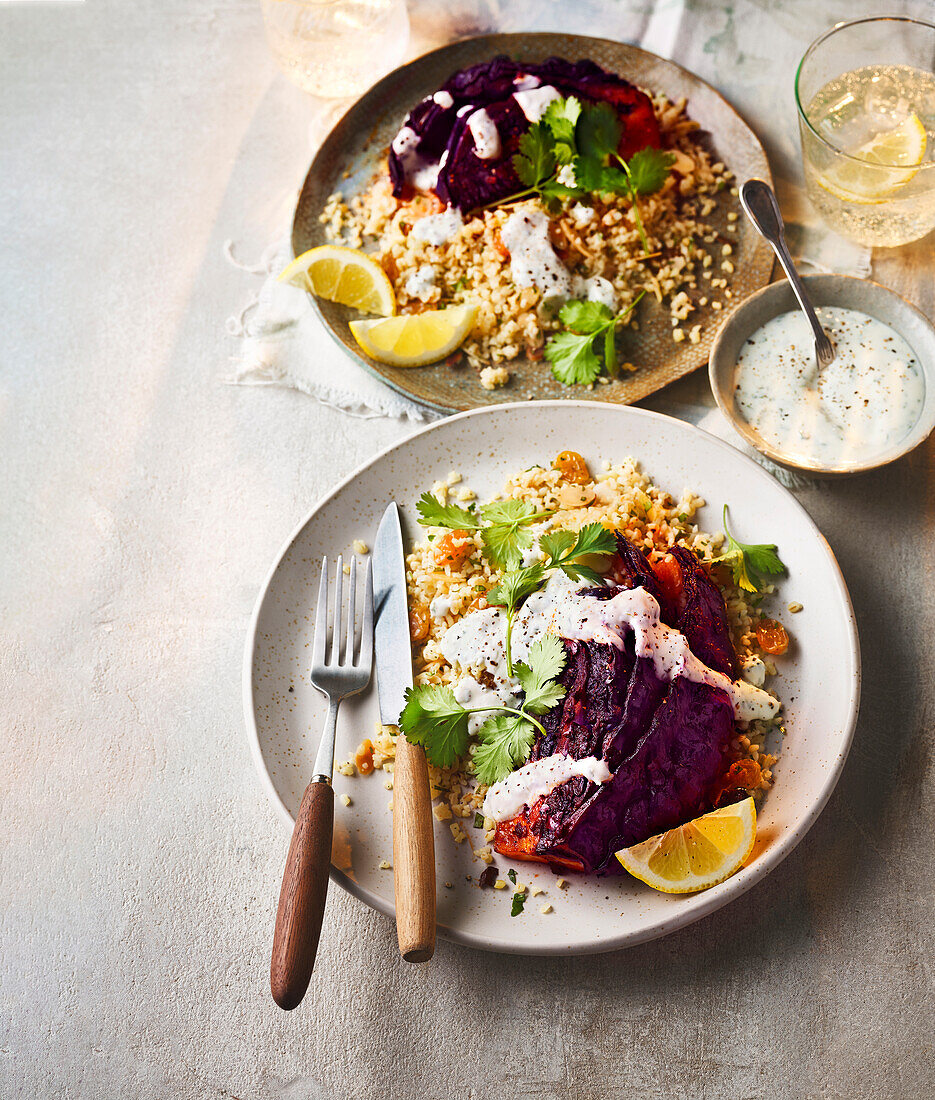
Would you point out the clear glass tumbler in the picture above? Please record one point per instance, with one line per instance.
(336, 48)
(865, 92)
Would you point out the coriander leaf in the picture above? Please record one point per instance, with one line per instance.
(511, 875)
(610, 350)
(554, 193)
(748, 561)
(598, 131)
(585, 317)
(594, 538)
(433, 718)
(557, 543)
(545, 661)
(535, 160)
(592, 175)
(505, 538)
(649, 169)
(504, 544)
(519, 900)
(544, 697)
(577, 571)
(537, 676)
(560, 117)
(433, 514)
(511, 511)
(572, 358)
(505, 743)
(492, 762)
(515, 585)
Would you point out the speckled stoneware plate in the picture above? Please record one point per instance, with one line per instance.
(819, 679)
(350, 158)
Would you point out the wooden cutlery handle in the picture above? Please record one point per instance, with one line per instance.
(303, 894)
(413, 854)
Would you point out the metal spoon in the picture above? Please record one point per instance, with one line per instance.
(762, 209)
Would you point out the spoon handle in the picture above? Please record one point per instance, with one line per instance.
(762, 209)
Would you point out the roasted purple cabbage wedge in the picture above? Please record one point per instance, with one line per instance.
(667, 744)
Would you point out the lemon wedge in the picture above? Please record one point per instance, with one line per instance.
(697, 855)
(414, 339)
(343, 275)
(881, 166)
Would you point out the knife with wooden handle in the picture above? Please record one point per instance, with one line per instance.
(413, 831)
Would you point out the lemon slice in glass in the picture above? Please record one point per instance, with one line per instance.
(881, 166)
(697, 855)
(414, 339)
(343, 275)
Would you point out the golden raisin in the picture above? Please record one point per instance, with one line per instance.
(744, 774)
(389, 265)
(572, 467)
(453, 549)
(419, 622)
(772, 637)
(363, 758)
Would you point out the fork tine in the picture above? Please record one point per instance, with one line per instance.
(351, 621)
(335, 653)
(366, 633)
(321, 617)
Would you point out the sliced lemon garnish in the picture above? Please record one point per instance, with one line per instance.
(343, 275)
(414, 339)
(881, 166)
(697, 855)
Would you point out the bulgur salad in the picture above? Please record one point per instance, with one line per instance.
(538, 204)
(590, 667)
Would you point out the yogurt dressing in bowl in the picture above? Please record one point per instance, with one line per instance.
(865, 402)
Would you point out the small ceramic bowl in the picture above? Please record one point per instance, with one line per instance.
(846, 292)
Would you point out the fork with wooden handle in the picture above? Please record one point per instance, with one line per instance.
(336, 674)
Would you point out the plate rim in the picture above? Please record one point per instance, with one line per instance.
(716, 896)
(365, 361)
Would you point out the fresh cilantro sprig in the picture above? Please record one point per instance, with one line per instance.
(588, 343)
(572, 151)
(564, 550)
(433, 717)
(502, 524)
(749, 561)
(599, 167)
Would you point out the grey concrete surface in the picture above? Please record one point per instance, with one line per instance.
(142, 502)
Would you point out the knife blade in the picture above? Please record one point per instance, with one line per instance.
(413, 831)
(391, 617)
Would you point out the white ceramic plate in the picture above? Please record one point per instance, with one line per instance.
(819, 681)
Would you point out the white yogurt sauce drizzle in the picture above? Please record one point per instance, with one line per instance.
(866, 401)
(438, 228)
(422, 173)
(420, 282)
(528, 784)
(534, 101)
(533, 261)
(485, 134)
(478, 641)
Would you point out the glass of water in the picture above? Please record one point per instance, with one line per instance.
(336, 48)
(865, 93)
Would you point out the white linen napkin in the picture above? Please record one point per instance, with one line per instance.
(281, 341)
